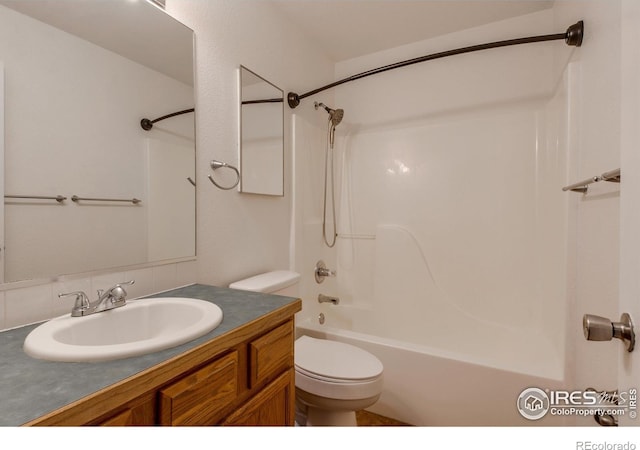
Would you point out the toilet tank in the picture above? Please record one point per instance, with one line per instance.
(279, 282)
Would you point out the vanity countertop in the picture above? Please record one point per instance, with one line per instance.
(31, 388)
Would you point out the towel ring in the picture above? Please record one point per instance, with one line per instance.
(218, 164)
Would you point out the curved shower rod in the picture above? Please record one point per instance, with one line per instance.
(573, 36)
(147, 124)
(268, 100)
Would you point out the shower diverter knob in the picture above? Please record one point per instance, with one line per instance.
(598, 328)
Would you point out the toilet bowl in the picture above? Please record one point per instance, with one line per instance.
(333, 379)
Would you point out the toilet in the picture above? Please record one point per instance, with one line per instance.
(333, 379)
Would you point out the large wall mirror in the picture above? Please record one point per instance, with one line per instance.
(261, 135)
(79, 77)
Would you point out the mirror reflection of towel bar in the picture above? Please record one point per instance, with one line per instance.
(58, 198)
(135, 201)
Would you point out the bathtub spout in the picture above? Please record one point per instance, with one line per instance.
(326, 299)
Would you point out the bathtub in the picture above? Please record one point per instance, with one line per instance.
(426, 386)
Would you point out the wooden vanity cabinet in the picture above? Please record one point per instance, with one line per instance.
(258, 392)
(244, 377)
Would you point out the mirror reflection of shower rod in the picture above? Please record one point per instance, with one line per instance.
(147, 124)
(573, 36)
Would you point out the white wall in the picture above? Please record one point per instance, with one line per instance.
(242, 234)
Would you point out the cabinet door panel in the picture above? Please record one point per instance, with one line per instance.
(271, 353)
(201, 397)
(139, 412)
(272, 406)
(125, 418)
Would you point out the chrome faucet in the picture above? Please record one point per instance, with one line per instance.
(113, 297)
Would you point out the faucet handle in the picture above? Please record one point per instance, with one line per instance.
(118, 294)
(321, 272)
(81, 304)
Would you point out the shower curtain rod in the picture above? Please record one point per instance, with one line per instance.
(573, 36)
(269, 100)
(147, 124)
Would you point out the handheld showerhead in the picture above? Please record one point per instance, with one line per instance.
(335, 115)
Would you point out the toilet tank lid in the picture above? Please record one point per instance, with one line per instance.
(267, 282)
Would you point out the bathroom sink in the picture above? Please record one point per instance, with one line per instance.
(139, 327)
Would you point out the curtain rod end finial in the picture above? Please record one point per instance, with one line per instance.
(293, 99)
(146, 124)
(574, 34)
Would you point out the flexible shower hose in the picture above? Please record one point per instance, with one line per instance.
(328, 159)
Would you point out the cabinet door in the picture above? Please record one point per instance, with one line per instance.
(270, 354)
(201, 397)
(273, 405)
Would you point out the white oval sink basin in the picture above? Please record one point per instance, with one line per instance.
(139, 327)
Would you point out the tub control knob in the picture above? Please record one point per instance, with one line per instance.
(321, 272)
(598, 328)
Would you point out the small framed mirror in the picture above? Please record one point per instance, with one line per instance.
(261, 135)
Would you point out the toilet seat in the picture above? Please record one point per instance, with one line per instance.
(335, 361)
(336, 370)
(315, 376)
